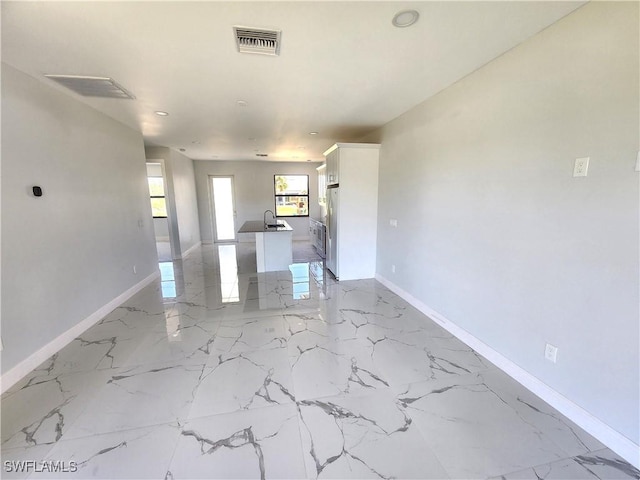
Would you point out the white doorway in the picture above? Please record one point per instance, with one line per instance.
(223, 208)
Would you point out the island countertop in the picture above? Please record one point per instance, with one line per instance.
(257, 226)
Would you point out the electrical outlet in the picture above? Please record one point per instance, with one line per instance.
(393, 222)
(551, 353)
(393, 269)
(581, 167)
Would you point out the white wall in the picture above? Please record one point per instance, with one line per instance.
(72, 251)
(496, 235)
(181, 197)
(253, 183)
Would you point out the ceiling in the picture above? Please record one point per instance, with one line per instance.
(343, 69)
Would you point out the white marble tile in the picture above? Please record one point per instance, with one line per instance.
(297, 375)
(242, 335)
(420, 355)
(140, 396)
(603, 464)
(564, 433)
(188, 345)
(310, 329)
(105, 345)
(473, 430)
(367, 436)
(333, 367)
(243, 380)
(42, 408)
(136, 453)
(257, 443)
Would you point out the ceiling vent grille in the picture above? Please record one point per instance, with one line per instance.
(92, 86)
(257, 40)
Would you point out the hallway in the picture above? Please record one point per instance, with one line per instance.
(216, 371)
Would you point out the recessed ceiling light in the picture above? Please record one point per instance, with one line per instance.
(405, 18)
(161, 113)
(313, 133)
(301, 147)
(241, 103)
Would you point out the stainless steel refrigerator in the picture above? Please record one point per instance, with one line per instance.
(333, 198)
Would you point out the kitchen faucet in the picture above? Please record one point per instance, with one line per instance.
(264, 217)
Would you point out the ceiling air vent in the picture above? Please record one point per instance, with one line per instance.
(257, 40)
(262, 154)
(92, 86)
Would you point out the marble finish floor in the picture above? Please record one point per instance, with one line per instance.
(216, 371)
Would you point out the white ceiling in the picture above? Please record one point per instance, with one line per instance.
(343, 69)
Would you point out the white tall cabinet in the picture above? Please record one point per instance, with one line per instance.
(352, 168)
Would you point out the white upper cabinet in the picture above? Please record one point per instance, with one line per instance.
(333, 166)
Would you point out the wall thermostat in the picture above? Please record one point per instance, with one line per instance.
(37, 191)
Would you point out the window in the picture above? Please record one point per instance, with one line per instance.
(156, 192)
(292, 195)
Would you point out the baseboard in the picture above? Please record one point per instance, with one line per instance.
(23, 368)
(617, 442)
(191, 249)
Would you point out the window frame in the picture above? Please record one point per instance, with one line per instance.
(284, 195)
(164, 197)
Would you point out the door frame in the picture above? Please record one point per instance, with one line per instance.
(212, 211)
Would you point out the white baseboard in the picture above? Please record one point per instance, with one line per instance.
(23, 368)
(191, 249)
(617, 442)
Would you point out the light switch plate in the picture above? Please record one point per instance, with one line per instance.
(581, 167)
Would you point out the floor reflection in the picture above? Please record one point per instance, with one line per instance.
(167, 280)
(300, 280)
(229, 288)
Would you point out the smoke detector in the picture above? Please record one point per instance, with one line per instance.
(257, 40)
(92, 86)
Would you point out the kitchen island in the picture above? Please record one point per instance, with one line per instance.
(274, 250)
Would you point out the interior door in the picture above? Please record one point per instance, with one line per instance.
(223, 208)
